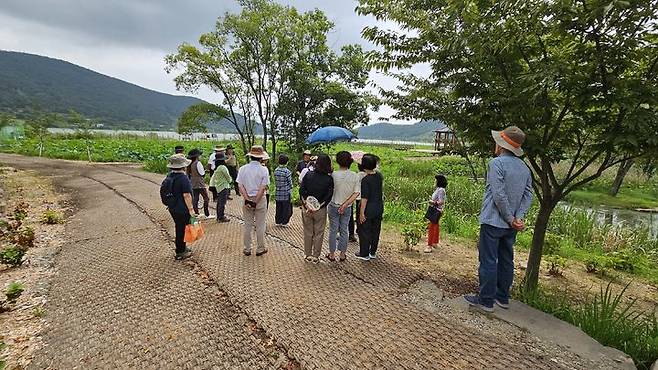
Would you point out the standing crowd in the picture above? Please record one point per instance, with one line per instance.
(352, 202)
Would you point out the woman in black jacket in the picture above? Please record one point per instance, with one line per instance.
(320, 185)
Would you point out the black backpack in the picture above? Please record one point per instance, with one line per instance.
(167, 195)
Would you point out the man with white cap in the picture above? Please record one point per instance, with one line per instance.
(306, 158)
(176, 193)
(254, 179)
(507, 198)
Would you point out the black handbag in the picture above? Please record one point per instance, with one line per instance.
(433, 214)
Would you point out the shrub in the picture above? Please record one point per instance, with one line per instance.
(551, 244)
(595, 263)
(52, 217)
(24, 237)
(556, 264)
(623, 260)
(38, 312)
(412, 233)
(20, 211)
(11, 255)
(13, 291)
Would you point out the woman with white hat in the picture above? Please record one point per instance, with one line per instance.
(176, 194)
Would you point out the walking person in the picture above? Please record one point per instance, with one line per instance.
(316, 190)
(254, 180)
(507, 198)
(347, 188)
(221, 180)
(437, 202)
(283, 194)
(196, 172)
(232, 165)
(371, 209)
(176, 194)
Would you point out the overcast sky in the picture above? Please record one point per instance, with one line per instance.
(128, 39)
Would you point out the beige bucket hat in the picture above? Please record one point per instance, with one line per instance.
(178, 161)
(257, 151)
(511, 139)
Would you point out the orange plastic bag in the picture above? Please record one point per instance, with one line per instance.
(193, 232)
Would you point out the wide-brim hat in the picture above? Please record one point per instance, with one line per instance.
(219, 148)
(178, 161)
(257, 151)
(511, 138)
(194, 153)
(306, 152)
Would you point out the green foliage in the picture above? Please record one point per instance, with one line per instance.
(11, 255)
(579, 80)
(52, 217)
(556, 264)
(551, 245)
(197, 117)
(623, 260)
(13, 291)
(606, 317)
(48, 84)
(596, 264)
(20, 211)
(412, 233)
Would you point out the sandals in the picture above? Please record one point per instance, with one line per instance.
(342, 257)
(330, 258)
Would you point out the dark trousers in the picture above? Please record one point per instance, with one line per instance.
(283, 212)
(203, 192)
(496, 272)
(353, 224)
(222, 198)
(180, 221)
(233, 171)
(369, 236)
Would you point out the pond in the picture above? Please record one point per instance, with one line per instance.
(624, 217)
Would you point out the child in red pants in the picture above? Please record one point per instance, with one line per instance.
(438, 201)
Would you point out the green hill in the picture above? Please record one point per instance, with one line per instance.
(31, 83)
(422, 131)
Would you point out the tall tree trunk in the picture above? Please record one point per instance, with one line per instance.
(534, 259)
(622, 171)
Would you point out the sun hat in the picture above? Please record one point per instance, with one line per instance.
(257, 151)
(306, 152)
(178, 161)
(510, 138)
(194, 153)
(219, 148)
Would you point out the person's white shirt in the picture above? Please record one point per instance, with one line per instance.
(211, 160)
(200, 169)
(253, 176)
(304, 172)
(346, 183)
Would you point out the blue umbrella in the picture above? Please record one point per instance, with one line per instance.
(329, 134)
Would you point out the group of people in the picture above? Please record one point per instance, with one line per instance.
(340, 195)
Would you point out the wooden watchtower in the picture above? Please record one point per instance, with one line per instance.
(444, 138)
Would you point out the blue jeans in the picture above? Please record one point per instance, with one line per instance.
(338, 225)
(496, 270)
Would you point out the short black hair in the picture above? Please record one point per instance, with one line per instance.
(323, 164)
(369, 162)
(441, 181)
(283, 159)
(344, 159)
(179, 149)
(220, 162)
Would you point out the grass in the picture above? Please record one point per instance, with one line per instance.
(606, 317)
(13, 291)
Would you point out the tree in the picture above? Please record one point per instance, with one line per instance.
(37, 127)
(263, 61)
(197, 117)
(83, 127)
(578, 77)
(622, 171)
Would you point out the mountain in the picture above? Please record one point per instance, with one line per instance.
(419, 131)
(31, 82)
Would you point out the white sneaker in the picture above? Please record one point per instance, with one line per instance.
(372, 256)
(210, 217)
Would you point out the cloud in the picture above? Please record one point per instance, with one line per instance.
(128, 39)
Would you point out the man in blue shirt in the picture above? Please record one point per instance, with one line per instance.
(507, 197)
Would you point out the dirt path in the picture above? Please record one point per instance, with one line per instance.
(121, 300)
